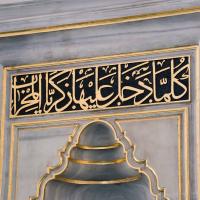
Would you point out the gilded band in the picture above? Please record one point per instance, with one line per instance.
(102, 162)
(148, 82)
(85, 147)
(81, 182)
(102, 22)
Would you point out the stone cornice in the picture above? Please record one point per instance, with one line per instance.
(38, 14)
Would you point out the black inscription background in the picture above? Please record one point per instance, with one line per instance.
(89, 88)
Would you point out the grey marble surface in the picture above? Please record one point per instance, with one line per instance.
(7, 2)
(19, 14)
(95, 135)
(137, 190)
(89, 42)
(100, 41)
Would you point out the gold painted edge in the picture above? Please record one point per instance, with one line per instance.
(100, 58)
(169, 111)
(17, 124)
(89, 182)
(94, 162)
(183, 139)
(178, 116)
(13, 148)
(85, 147)
(155, 111)
(197, 121)
(126, 55)
(2, 128)
(186, 166)
(102, 22)
(152, 172)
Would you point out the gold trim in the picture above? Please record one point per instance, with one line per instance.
(28, 123)
(11, 161)
(180, 160)
(158, 192)
(167, 112)
(85, 147)
(14, 141)
(101, 162)
(2, 132)
(115, 181)
(126, 55)
(186, 143)
(103, 58)
(181, 140)
(47, 121)
(134, 18)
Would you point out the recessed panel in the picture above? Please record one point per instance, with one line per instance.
(37, 149)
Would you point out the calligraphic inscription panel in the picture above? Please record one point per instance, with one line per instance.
(101, 87)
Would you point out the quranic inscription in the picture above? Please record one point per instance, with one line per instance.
(101, 87)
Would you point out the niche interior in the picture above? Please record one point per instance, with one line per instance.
(98, 163)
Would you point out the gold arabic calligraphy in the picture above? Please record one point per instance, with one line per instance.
(100, 87)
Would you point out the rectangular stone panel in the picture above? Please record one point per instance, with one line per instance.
(129, 84)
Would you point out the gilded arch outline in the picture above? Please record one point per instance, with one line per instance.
(158, 192)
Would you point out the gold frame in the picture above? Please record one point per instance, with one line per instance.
(14, 139)
(177, 112)
(143, 164)
(197, 90)
(103, 22)
(197, 119)
(102, 162)
(100, 58)
(125, 180)
(84, 147)
(186, 143)
(56, 64)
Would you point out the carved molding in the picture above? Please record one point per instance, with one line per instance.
(36, 14)
(158, 192)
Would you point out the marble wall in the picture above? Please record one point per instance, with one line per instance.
(165, 135)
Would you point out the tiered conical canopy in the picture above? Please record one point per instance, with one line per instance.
(98, 158)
